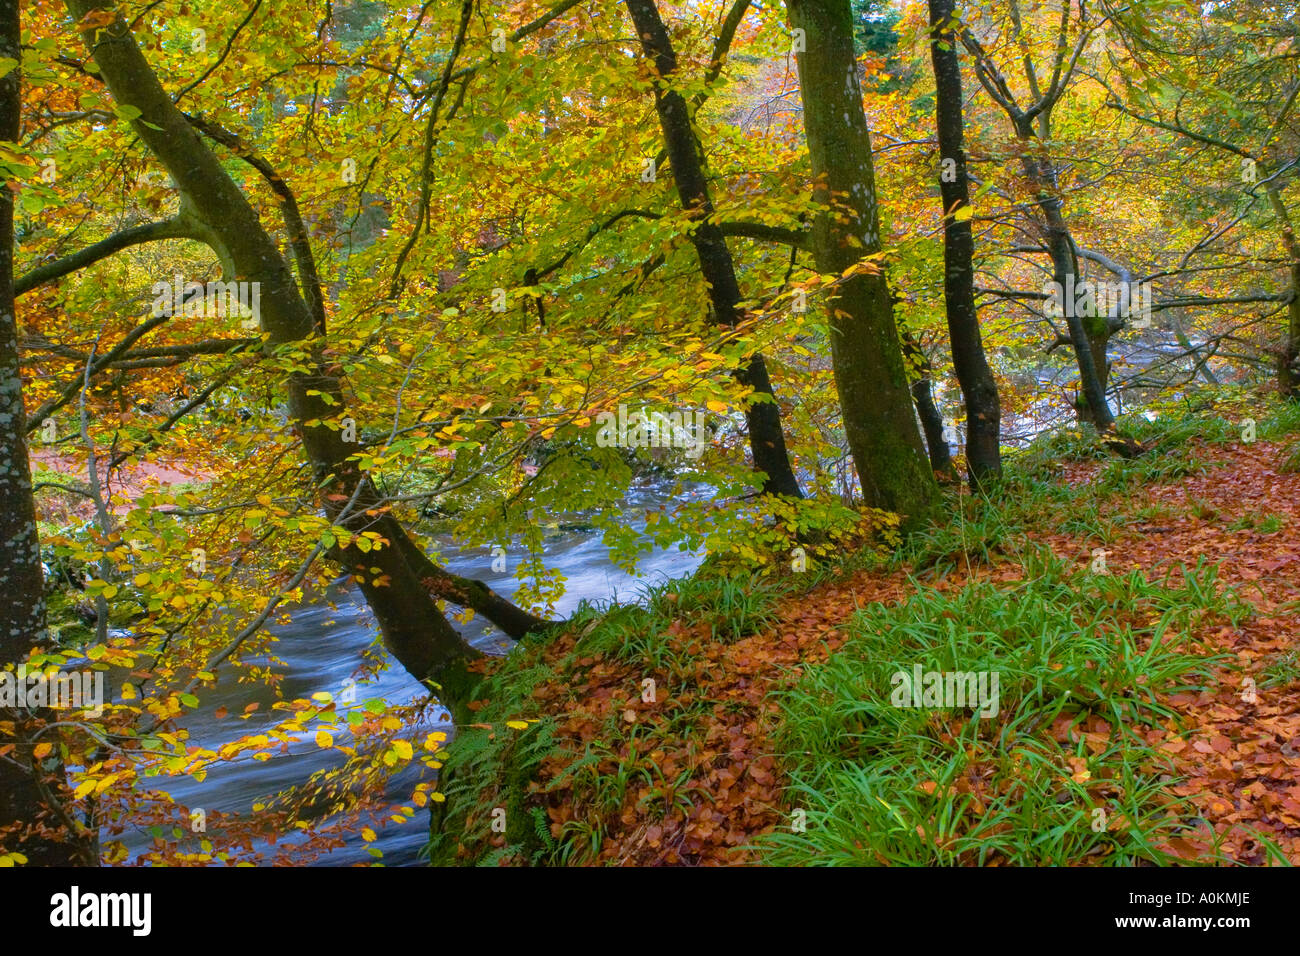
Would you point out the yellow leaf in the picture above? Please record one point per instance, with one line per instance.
(517, 724)
(403, 748)
(41, 751)
(84, 789)
(714, 405)
(368, 835)
(323, 740)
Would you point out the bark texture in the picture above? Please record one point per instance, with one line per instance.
(32, 792)
(979, 390)
(870, 374)
(766, 438)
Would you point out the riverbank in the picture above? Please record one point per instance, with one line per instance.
(1140, 617)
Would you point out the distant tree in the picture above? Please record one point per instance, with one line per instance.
(873, 26)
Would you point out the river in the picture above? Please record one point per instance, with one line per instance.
(322, 647)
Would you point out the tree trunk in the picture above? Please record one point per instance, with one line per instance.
(1288, 360)
(414, 629)
(870, 375)
(978, 389)
(30, 821)
(766, 438)
(1065, 273)
(932, 427)
(1288, 369)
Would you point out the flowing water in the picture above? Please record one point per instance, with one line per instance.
(322, 647)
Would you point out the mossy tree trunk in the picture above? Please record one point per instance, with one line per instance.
(32, 791)
(1288, 360)
(870, 374)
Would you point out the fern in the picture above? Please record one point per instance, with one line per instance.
(542, 827)
(496, 856)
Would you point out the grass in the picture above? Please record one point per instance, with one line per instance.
(880, 783)
(1264, 524)
(1063, 774)
(875, 783)
(492, 767)
(1282, 671)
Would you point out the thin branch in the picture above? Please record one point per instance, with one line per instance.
(230, 42)
(430, 139)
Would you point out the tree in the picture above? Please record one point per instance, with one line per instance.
(33, 822)
(396, 578)
(1032, 127)
(767, 440)
(870, 375)
(1263, 141)
(983, 410)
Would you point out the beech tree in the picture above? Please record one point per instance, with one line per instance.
(870, 374)
(983, 410)
(716, 264)
(397, 579)
(1032, 127)
(1262, 141)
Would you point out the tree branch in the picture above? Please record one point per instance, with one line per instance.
(308, 275)
(174, 228)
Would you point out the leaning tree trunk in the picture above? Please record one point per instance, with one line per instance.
(392, 578)
(869, 370)
(31, 794)
(766, 438)
(979, 390)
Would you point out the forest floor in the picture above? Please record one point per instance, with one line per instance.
(755, 744)
(121, 486)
